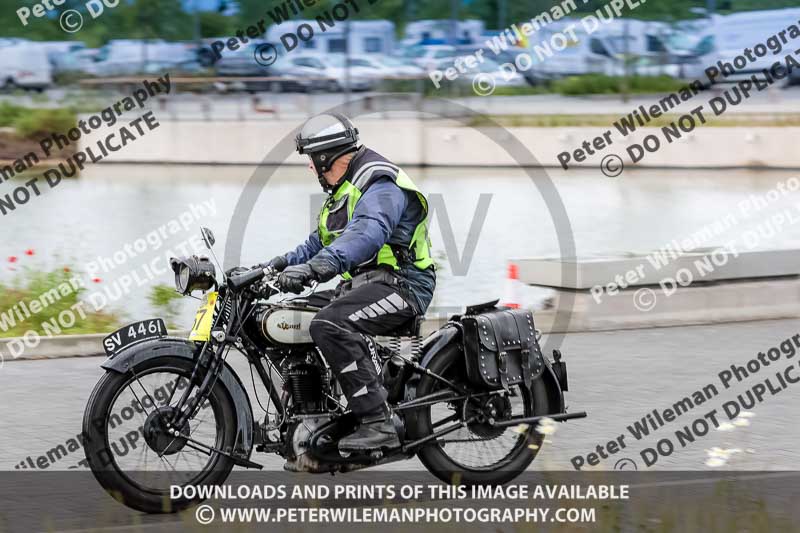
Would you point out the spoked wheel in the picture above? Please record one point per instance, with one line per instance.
(478, 453)
(137, 454)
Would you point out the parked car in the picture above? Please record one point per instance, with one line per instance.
(297, 78)
(55, 48)
(502, 77)
(25, 66)
(241, 64)
(333, 70)
(12, 41)
(427, 57)
(650, 66)
(532, 75)
(80, 59)
(387, 66)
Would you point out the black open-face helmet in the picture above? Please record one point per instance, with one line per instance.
(326, 138)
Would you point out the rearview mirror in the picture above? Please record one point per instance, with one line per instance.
(208, 237)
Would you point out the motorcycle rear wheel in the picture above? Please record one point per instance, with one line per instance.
(524, 441)
(117, 475)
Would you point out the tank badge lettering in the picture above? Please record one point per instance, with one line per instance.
(285, 326)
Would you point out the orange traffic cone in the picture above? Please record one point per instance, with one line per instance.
(511, 294)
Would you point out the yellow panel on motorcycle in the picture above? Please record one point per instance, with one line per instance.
(201, 329)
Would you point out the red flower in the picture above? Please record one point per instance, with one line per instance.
(96, 280)
(12, 259)
(29, 251)
(66, 269)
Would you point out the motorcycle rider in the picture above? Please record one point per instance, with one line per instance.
(371, 230)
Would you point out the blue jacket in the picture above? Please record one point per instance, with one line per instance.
(385, 213)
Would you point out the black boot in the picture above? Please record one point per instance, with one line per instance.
(376, 431)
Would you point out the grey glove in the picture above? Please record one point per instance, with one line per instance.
(323, 269)
(295, 277)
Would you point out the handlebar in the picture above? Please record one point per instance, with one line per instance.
(240, 281)
(246, 279)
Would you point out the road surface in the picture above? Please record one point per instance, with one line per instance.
(618, 377)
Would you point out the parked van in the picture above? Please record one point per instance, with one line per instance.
(25, 66)
(439, 31)
(637, 38)
(585, 54)
(355, 37)
(121, 57)
(727, 37)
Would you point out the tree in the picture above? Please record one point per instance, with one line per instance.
(216, 24)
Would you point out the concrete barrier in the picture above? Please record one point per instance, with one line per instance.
(635, 291)
(639, 270)
(412, 141)
(54, 347)
(721, 302)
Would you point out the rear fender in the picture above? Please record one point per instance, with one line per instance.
(450, 333)
(131, 357)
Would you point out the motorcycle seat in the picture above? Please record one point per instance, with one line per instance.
(411, 328)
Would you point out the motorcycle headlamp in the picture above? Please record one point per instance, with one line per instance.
(193, 274)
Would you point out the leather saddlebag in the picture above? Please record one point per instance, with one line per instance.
(501, 348)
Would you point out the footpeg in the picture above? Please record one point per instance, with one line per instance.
(247, 463)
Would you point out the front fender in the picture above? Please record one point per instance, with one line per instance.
(131, 357)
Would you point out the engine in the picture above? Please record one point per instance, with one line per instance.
(306, 386)
(307, 383)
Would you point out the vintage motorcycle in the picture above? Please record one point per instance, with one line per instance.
(170, 411)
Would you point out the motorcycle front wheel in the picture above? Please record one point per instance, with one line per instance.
(477, 454)
(131, 451)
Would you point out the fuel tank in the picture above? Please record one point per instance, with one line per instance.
(287, 325)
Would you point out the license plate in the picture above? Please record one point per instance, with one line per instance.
(201, 329)
(132, 334)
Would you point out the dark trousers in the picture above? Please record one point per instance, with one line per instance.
(339, 331)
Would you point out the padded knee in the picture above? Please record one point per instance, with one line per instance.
(326, 325)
